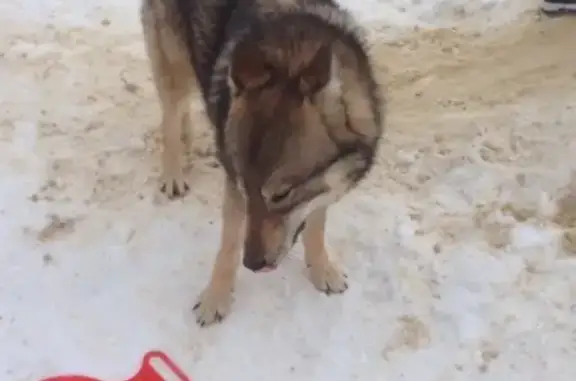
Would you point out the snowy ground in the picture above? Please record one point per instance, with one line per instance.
(461, 247)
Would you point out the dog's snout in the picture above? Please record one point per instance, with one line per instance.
(255, 263)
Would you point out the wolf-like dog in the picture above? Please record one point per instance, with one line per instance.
(289, 89)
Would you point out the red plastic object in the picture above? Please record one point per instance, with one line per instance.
(147, 371)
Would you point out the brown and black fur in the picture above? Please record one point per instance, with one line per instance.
(289, 90)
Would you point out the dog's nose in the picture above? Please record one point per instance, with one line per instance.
(254, 264)
(257, 264)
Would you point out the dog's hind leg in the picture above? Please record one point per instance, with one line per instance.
(324, 273)
(174, 80)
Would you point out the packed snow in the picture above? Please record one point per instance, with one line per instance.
(460, 247)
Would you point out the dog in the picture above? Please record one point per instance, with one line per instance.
(289, 89)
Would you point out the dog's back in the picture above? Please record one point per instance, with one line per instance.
(202, 28)
(191, 29)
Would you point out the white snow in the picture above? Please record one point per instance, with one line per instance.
(454, 249)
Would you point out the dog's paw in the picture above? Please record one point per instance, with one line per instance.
(212, 306)
(328, 279)
(174, 186)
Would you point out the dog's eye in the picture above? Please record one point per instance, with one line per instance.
(280, 195)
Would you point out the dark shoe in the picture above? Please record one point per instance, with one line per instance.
(557, 7)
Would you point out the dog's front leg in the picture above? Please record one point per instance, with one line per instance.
(324, 273)
(215, 301)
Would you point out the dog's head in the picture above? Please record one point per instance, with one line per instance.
(289, 138)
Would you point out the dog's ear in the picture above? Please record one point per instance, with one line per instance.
(317, 73)
(249, 68)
